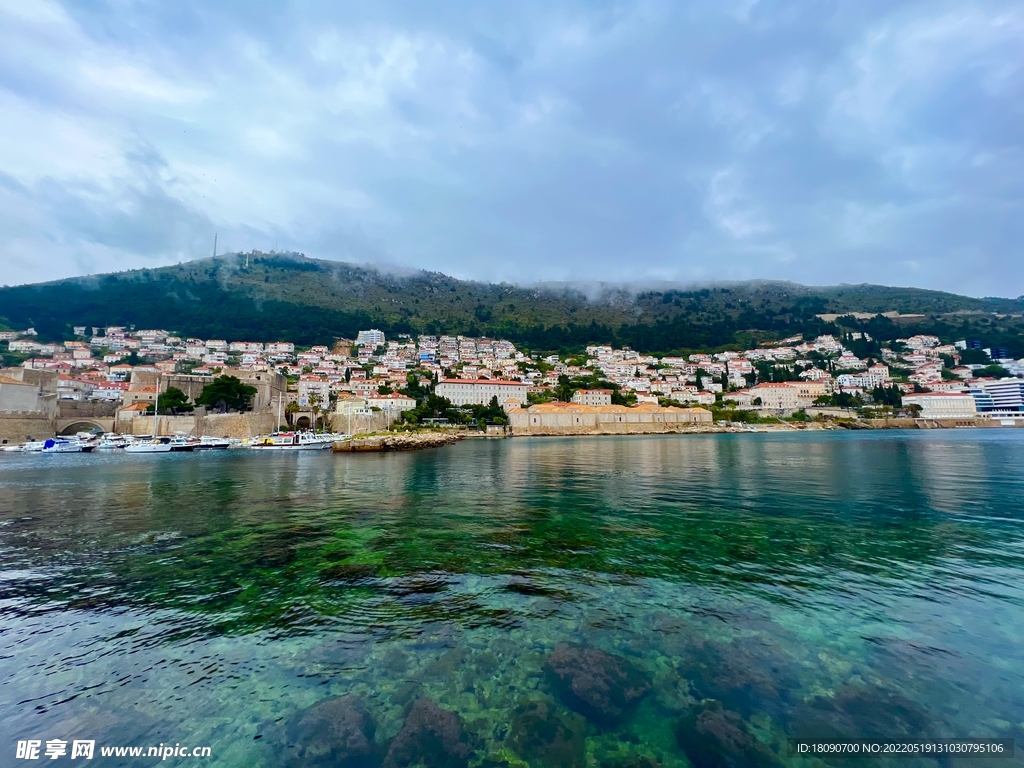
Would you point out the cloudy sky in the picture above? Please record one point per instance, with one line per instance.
(817, 141)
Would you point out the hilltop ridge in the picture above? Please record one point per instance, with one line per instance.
(289, 295)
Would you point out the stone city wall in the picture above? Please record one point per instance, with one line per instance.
(76, 409)
(618, 423)
(239, 425)
(19, 427)
(377, 422)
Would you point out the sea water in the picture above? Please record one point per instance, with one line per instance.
(813, 585)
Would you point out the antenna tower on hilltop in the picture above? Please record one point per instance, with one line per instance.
(215, 246)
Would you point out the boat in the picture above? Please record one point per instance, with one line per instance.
(208, 443)
(34, 446)
(112, 443)
(182, 445)
(13, 448)
(156, 445)
(291, 441)
(57, 445)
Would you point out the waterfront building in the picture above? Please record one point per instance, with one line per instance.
(942, 405)
(999, 395)
(810, 390)
(393, 404)
(777, 396)
(592, 397)
(310, 385)
(481, 391)
(352, 405)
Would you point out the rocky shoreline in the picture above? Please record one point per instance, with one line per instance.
(399, 441)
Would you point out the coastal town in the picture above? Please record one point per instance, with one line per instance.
(112, 379)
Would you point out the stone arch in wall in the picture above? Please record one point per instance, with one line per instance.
(85, 425)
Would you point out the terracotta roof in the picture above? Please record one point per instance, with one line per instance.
(136, 407)
(484, 381)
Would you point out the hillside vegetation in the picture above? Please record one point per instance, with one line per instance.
(288, 296)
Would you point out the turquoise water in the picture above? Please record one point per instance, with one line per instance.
(573, 602)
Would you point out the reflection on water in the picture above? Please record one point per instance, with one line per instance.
(544, 602)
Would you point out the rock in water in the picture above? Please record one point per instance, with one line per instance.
(333, 732)
(547, 738)
(430, 736)
(713, 737)
(599, 685)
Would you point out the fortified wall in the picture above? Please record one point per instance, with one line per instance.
(28, 405)
(239, 425)
(572, 419)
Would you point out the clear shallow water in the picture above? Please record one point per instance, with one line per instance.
(821, 584)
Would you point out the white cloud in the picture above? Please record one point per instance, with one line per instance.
(729, 206)
(519, 142)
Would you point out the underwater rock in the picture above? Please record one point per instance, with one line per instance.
(448, 664)
(545, 736)
(348, 572)
(743, 679)
(713, 737)
(485, 663)
(632, 762)
(868, 712)
(599, 685)
(333, 732)
(430, 736)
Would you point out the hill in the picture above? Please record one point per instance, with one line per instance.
(266, 296)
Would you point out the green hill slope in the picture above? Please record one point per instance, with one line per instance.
(288, 296)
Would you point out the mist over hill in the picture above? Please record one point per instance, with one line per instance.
(266, 296)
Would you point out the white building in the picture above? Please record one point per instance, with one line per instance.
(314, 385)
(1004, 396)
(352, 405)
(370, 338)
(393, 404)
(943, 405)
(594, 397)
(777, 396)
(481, 391)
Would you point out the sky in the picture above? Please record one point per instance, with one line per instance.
(820, 141)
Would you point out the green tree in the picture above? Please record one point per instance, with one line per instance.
(290, 410)
(318, 406)
(995, 371)
(227, 393)
(173, 401)
(628, 399)
(892, 396)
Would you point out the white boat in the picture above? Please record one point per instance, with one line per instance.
(13, 448)
(56, 445)
(35, 446)
(112, 444)
(156, 445)
(291, 441)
